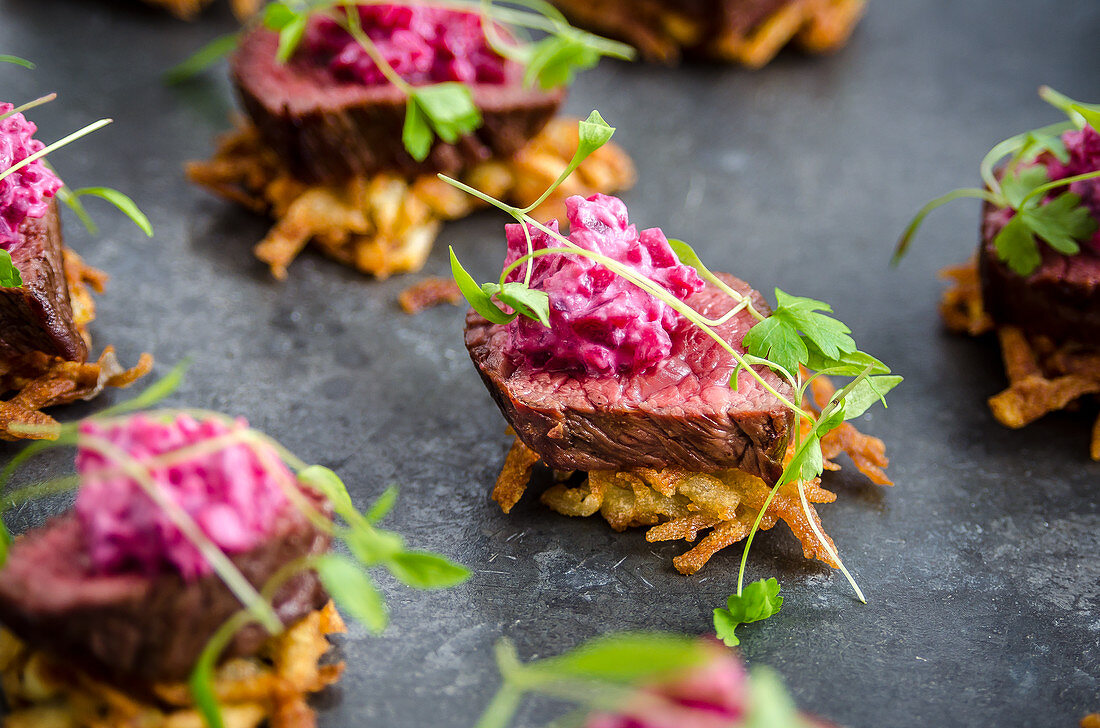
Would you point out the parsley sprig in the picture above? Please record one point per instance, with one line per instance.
(610, 674)
(1062, 223)
(9, 274)
(345, 577)
(445, 110)
(758, 601)
(798, 341)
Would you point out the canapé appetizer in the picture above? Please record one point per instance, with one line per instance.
(189, 580)
(1036, 278)
(352, 109)
(649, 680)
(680, 399)
(749, 32)
(45, 288)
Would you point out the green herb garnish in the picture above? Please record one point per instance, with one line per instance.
(6, 58)
(444, 110)
(758, 601)
(601, 674)
(1062, 223)
(798, 341)
(346, 578)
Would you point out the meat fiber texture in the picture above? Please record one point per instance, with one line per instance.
(680, 413)
(38, 316)
(328, 131)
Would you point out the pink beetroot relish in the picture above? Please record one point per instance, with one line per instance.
(26, 192)
(712, 696)
(231, 494)
(600, 323)
(1083, 147)
(422, 43)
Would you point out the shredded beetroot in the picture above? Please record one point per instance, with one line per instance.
(422, 43)
(230, 492)
(714, 696)
(26, 192)
(1084, 156)
(600, 323)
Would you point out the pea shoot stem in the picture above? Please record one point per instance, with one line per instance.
(55, 146)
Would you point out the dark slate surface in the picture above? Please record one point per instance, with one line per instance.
(980, 566)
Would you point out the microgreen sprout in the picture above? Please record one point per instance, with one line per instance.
(16, 60)
(9, 274)
(798, 340)
(1022, 186)
(621, 674)
(345, 577)
(440, 110)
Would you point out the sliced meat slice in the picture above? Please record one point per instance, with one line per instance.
(682, 413)
(38, 316)
(134, 630)
(1060, 299)
(328, 131)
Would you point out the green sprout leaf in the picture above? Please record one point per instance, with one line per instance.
(122, 202)
(383, 505)
(9, 274)
(373, 546)
(628, 658)
(290, 36)
(777, 340)
(758, 601)
(423, 570)
(526, 301)
(594, 133)
(1016, 246)
(449, 108)
(5, 543)
(556, 59)
(1061, 222)
(478, 299)
(353, 591)
(5, 58)
(202, 59)
(416, 134)
(278, 15)
(1018, 185)
(829, 335)
(866, 393)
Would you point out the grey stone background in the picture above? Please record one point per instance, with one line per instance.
(980, 566)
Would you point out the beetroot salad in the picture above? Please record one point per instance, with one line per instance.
(233, 492)
(24, 193)
(423, 44)
(600, 323)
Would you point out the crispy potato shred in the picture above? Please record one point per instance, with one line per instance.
(1043, 376)
(816, 26)
(40, 381)
(386, 224)
(428, 293)
(1092, 720)
(188, 9)
(270, 689)
(679, 505)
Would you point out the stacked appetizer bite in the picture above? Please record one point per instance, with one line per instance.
(353, 109)
(749, 32)
(45, 288)
(189, 584)
(1036, 277)
(679, 398)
